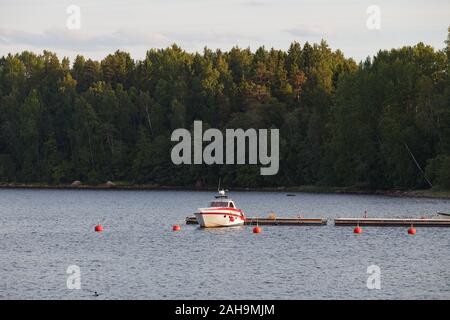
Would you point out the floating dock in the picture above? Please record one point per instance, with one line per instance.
(375, 222)
(444, 214)
(275, 221)
(392, 222)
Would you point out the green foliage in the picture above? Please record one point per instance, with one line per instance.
(341, 124)
(438, 169)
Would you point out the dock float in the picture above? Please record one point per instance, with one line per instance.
(275, 221)
(392, 222)
(444, 214)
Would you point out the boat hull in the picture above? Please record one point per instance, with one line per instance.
(221, 217)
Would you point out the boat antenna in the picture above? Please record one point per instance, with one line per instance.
(218, 187)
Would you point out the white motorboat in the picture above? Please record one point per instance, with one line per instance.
(222, 212)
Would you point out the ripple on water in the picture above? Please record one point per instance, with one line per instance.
(42, 232)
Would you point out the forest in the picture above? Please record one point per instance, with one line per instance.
(380, 124)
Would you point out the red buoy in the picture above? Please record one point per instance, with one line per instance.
(176, 227)
(411, 231)
(257, 229)
(231, 219)
(98, 228)
(357, 230)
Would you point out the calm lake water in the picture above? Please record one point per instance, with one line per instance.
(42, 232)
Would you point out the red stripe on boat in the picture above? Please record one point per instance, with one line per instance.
(221, 213)
(225, 208)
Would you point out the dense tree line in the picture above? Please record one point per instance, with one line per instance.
(341, 123)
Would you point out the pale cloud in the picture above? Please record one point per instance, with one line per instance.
(69, 39)
(77, 40)
(212, 37)
(309, 31)
(255, 3)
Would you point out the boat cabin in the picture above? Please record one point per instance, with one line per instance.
(222, 201)
(222, 204)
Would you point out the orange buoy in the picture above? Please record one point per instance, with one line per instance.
(176, 227)
(357, 230)
(411, 231)
(98, 228)
(257, 229)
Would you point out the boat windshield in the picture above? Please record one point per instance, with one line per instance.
(219, 204)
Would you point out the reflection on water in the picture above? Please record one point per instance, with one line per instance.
(42, 232)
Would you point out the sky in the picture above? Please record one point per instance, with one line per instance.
(138, 25)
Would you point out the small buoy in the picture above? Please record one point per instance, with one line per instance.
(257, 229)
(231, 219)
(411, 231)
(176, 227)
(357, 230)
(98, 228)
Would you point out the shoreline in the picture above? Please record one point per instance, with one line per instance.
(427, 193)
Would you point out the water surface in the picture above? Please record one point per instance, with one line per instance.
(42, 232)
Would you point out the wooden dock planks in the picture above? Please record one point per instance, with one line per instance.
(275, 221)
(391, 222)
(375, 222)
